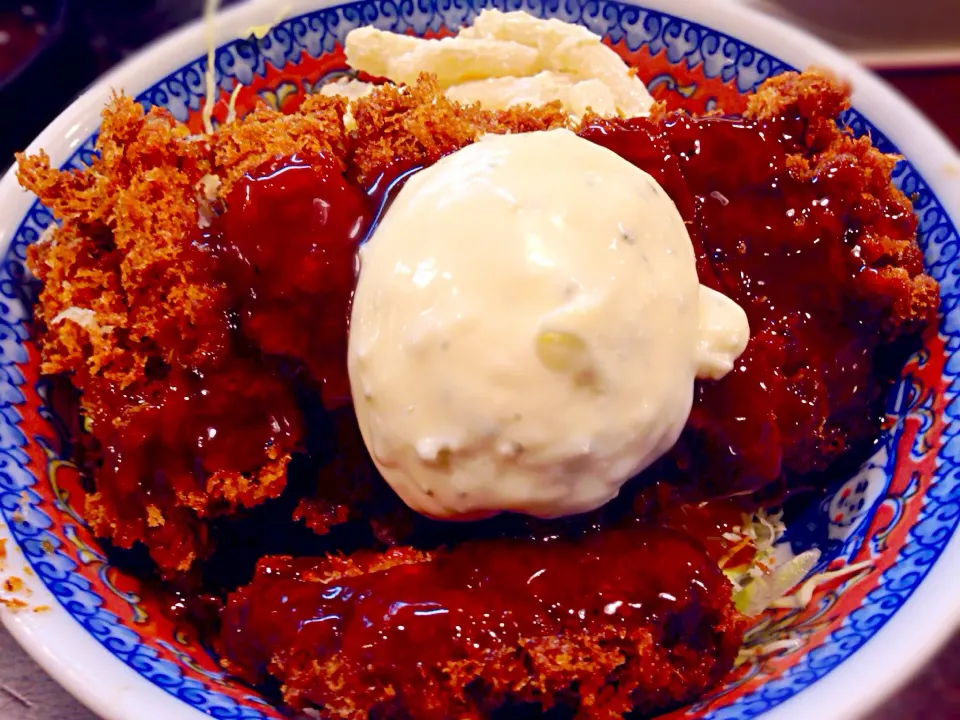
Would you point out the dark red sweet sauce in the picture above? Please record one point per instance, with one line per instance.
(193, 424)
(786, 246)
(20, 36)
(287, 249)
(712, 524)
(285, 253)
(470, 601)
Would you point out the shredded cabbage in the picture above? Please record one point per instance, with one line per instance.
(759, 531)
(769, 581)
(765, 591)
(804, 594)
(763, 581)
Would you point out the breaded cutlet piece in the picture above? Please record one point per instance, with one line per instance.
(128, 223)
(406, 634)
(847, 282)
(120, 283)
(182, 452)
(897, 291)
(124, 294)
(129, 297)
(887, 223)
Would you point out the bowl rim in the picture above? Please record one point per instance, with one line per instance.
(111, 689)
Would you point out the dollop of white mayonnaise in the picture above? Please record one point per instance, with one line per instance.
(527, 327)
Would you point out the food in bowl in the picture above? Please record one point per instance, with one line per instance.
(197, 295)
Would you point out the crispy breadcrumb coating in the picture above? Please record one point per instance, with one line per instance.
(317, 127)
(120, 254)
(414, 126)
(603, 665)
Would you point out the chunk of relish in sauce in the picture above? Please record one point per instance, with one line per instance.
(785, 244)
(287, 247)
(471, 601)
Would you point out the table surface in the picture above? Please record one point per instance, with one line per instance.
(115, 28)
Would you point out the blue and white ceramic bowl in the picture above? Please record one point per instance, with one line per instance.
(92, 629)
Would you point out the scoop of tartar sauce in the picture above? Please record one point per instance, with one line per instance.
(527, 327)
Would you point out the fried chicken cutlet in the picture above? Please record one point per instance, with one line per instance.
(629, 619)
(806, 231)
(800, 224)
(142, 298)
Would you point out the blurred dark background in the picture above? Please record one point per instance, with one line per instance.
(50, 50)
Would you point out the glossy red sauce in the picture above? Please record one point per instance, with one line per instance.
(473, 599)
(787, 249)
(287, 249)
(285, 253)
(20, 36)
(711, 524)
(194, 424)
